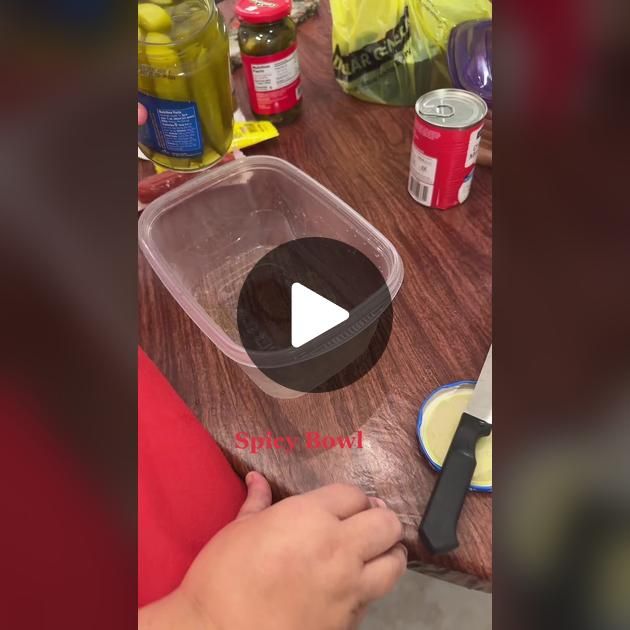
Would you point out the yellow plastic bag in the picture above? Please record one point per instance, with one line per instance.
(393, 51)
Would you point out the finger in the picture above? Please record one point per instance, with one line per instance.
(381, 575)
(361, 613)
(359, 616)
(142, 114)
(484, 157)
(258, 495)
(373, 532)
(375, 502)
(340, 499)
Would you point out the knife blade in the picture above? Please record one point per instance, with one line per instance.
(438, 528)
(480, 405)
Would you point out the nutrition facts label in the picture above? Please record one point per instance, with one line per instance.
(277, 74)
(273, 81)
(180, 130)
(173, 127)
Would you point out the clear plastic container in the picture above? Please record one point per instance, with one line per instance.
(203, 238)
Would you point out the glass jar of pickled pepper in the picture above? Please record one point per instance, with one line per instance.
(267, 39)
(184, 82)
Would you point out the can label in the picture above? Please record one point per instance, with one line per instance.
(442, 164)
(172, 128)
(274, 81)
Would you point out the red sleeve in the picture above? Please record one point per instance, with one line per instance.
(187, 490)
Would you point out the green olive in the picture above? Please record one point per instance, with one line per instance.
(162, 55)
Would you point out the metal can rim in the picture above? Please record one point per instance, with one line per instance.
(468, 94)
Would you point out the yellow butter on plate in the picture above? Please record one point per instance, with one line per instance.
(437, 423)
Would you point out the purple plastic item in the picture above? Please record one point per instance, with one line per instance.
(470, 57)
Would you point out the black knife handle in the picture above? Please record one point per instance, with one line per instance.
(439, 523)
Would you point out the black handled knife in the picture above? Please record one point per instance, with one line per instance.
(439, 523)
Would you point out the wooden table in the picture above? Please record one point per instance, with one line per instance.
(441, 332)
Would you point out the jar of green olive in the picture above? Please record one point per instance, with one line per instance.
(267, 39)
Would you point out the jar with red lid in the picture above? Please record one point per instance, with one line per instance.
(267, 39)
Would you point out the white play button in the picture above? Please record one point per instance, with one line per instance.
(312, 315)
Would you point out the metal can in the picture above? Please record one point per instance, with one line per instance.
(446, 139)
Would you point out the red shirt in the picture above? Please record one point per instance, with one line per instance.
(187, 490)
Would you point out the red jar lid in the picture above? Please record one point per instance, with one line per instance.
(263, 11)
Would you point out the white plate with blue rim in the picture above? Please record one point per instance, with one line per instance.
(438, 419)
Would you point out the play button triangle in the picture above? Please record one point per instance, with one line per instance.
(312, 315)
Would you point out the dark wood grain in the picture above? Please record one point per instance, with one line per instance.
(441, 333)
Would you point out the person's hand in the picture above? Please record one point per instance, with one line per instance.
(310, 562)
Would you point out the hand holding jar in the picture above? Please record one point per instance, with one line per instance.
(184, 83)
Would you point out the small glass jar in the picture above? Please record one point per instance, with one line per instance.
(267, 39)
(184, 83)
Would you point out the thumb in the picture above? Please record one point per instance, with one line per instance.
(142, 114)
(258, 495)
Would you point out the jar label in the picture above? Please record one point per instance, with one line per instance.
(172, 128)
(442, 164)
(273, 81)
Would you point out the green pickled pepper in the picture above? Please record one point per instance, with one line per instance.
(152, 17)
(145, 84)
(169, 80)
(186, 62)
(210, 74)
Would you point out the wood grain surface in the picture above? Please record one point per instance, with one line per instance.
(441, 331)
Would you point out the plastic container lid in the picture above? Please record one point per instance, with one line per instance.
(263, 11)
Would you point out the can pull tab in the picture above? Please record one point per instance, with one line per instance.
(439, 111)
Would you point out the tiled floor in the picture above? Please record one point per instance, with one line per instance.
(423, 603)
